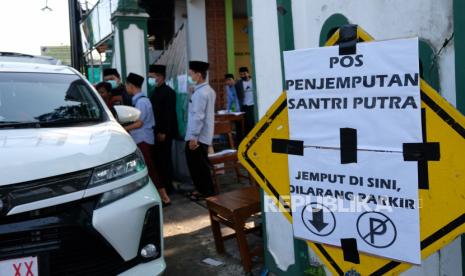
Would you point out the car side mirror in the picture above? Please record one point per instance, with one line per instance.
(126, 114)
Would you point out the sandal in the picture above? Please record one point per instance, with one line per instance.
(195, 196)
(165, 204)
(188, 194)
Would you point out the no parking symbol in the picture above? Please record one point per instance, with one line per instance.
(376, 229)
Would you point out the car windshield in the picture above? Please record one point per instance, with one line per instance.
(46, 100)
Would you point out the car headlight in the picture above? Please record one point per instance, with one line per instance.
(118, 193)
(118, 169)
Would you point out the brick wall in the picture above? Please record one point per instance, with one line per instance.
(216, 41)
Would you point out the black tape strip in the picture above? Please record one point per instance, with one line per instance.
(423, 125)
(348, 145)
(421, 151)
(423, 174)
(350, 250)
(293, 147)
(348, 48)
(347, 40)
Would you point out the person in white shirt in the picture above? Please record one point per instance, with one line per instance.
(245, 92)
(199, 131)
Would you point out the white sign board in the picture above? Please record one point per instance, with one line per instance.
(370, 100)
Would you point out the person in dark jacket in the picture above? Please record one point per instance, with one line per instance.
(166, 124)
(245, 93)
(112, 76)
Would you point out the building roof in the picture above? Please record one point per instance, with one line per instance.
(61, 53)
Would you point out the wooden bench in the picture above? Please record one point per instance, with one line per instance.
(233, 209)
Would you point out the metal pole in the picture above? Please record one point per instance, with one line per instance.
(75, 35)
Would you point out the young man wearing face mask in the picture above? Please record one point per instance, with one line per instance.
(199, 131)
(142, 130)
(244, 88)
(166, 125)
(112, 76)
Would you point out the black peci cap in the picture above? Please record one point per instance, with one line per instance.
(229, 76)
(135, 79)
(158, 69)
(110, 71)
(105, 85)
(243, 69)
(198, 66)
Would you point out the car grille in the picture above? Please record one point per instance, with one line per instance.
(22, 193)
(86, 254)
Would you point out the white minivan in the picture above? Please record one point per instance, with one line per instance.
(75, 196)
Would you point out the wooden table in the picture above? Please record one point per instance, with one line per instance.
(233, 117)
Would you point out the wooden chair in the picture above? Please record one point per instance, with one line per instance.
(233, 209)
(225, 159)
(225, 128)
(237, 119)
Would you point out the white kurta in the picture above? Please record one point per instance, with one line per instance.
(201, 116)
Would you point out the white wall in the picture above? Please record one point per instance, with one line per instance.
(180, 10)
(196, 30)
(430, 20)
(268, 83)
(447, 261)
(116, 62)
(267, 57)
(134, 45)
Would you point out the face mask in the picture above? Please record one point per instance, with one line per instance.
(152, 82)
(244, 78)
(113, 83)
(190, 81)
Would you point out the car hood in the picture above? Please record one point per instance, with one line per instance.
(31, 154)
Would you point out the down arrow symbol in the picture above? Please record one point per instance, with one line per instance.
(317, 221)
